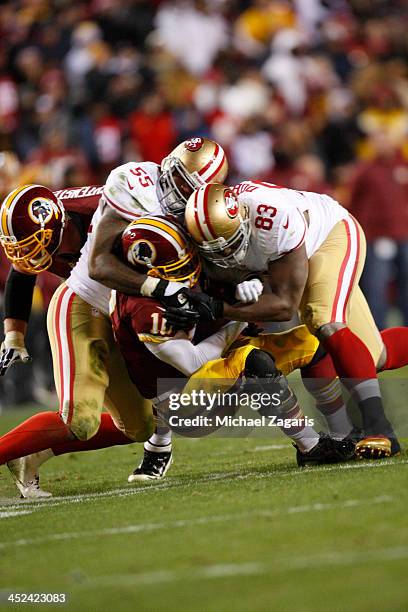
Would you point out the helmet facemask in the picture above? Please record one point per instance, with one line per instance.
(187, 270)
(175, 179)
(225, 253)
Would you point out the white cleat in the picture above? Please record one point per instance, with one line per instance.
(25, 474)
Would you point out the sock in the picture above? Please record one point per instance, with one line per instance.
(159, 443)
(301, 434)
(320, 380)
(396, 343)
(356, 368)
(108, 435)
(38, 433)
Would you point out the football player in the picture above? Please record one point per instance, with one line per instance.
(310, 252)
(155, 352)
(88, 368)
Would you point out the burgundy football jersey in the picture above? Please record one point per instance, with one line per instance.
(80, 204)
(137, 320)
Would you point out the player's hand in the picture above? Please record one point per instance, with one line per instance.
(207, 307)
(170, 293)
(249, 291)
(179, 318)
(12, 350)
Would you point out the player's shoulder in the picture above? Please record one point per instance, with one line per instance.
(132, 173)
(131, 191)
(81, 200)
(147, 317)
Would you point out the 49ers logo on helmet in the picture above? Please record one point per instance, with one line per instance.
(41, 210)
(194, 144)
(142, 252)
(231, 204)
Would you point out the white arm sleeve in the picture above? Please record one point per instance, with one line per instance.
(184, 356)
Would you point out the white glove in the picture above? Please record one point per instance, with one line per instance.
(12, 350)
(249, 291)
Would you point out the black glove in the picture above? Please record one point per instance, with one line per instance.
(170, 293)
(181, 318)
(207, 307)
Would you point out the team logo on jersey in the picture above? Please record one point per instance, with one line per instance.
(142, 252)
(231, 204)
(41, 210)
(194, 144)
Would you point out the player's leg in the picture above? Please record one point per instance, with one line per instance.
(334, 271)
(80, 341)
(262, 375)
(133, 415)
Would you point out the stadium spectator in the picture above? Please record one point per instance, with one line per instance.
(379, 199)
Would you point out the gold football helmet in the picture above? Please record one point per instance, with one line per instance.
(190, 165)
(218, 224)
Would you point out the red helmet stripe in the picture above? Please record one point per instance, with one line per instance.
(206, 215)
(208, 165)
(216, 171)
(196, 217)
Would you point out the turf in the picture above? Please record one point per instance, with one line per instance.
(235, 526)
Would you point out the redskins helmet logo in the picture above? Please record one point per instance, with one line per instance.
(41, 210)
(231, 204)
(142, 252)
(194, 144)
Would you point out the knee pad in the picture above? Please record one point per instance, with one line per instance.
(85, 429)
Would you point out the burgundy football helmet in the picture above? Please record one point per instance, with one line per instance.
(158, 246)
(32, 221)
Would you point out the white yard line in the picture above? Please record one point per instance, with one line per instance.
(280, 564)
(13, 513)
(182, 523)
(129, 491)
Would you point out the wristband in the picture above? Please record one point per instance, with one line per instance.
(149, 285)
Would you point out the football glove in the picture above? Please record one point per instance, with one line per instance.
(249, 290)
(180, 318)
(208, 308)
(12, 350)
(170, 293)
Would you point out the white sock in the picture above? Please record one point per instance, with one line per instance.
(306, 439)
(159, 443)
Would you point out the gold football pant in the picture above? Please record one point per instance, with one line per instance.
(89, 371)
(332, 293)
(291, 349)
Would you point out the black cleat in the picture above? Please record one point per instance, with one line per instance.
(153, 467)
(326, 451)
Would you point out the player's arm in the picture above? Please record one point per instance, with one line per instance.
(286, 279)
(186, 357)
(18, 298)
(104, 266)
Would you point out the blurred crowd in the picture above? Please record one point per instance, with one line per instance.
(312, 94)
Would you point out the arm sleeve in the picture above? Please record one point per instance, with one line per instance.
(291, 231)
(187, 358)
(18, 295)
(121, 196)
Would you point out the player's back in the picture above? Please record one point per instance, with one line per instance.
(270, 207)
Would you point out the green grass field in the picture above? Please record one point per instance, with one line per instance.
(235, 526)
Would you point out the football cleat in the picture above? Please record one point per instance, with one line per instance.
(153, 467)
(326, 451)
(377, 447)
(25, 475)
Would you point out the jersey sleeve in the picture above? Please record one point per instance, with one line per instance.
(291, 231)
(121, 193)
(147, 320)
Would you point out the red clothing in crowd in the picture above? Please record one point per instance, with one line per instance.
(379, 198)
(154, 134)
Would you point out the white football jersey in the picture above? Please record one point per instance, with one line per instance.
(278, 222)
(131, 191)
